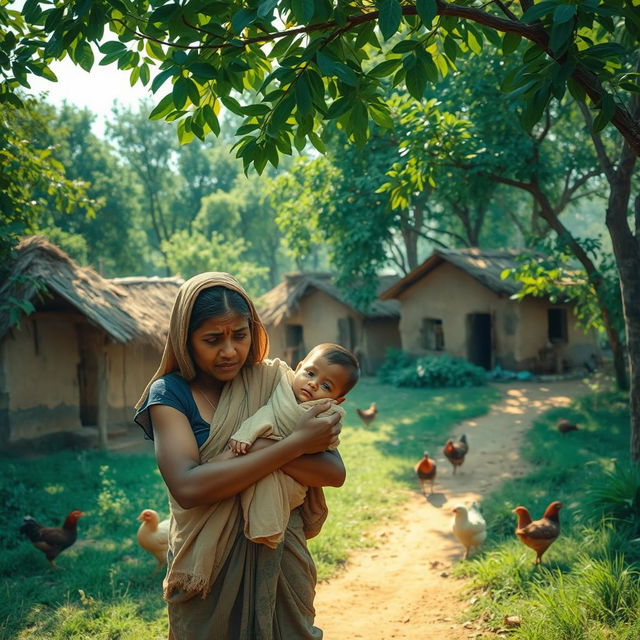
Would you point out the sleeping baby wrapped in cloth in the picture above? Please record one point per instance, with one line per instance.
(266, 505)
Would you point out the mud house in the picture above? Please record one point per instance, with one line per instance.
(456, 302)
(306, 309)
(84, 348)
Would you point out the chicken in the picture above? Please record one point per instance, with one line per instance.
(368, 415)
(469, 527)
(456, 451)
(52, 540)
(426, 471)
(564, 426)
(539, 534)
(153, 536)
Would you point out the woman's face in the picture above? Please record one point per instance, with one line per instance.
(220, 346)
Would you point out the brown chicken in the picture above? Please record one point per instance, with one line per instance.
(456, 451)
(564, 426)
(539, 534)
(52, 540)
(426, 472)
(153, 536)
(368, 415)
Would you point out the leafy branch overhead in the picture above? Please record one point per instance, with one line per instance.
(290, 66)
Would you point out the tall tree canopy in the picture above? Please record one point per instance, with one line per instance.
(301, 63)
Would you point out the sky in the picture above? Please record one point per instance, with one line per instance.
(96, 90)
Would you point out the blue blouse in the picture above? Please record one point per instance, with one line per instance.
(173, 390)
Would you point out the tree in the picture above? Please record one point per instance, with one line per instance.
(108, 238)
(304, 63)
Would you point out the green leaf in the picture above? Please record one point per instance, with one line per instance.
(560, 35)
(564, 13)
(160, 79)
(203, 70)
(389, 17)
(193, 92)
(185, 134)
(211, 119)
(380, 116)
(510, 43)
(303, 95)
(180, 92)
(607, 109)
(144, 74)
(242, 19)
(163, 108)
(113, 46)
(416, 81)
(232, 104)
(83, 55)
(265, 7)
(385, 68)
(427, 10)
(538, 10)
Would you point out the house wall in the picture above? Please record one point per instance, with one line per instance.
(519, 328)
(380, 334)
(40, 363)
(130, 366)
(533, 337)
(319, 313)
(39, 376)
(449, 294)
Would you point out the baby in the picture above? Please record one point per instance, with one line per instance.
(329, 371)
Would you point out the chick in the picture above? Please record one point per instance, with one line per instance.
(153, 536)
(469, 527)
(564, 426)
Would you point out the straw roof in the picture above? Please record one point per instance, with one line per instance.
(484, 266)
(284, 299)
(125, 308)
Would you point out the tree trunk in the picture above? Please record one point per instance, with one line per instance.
(626, 248)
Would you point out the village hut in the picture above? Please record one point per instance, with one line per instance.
(456, 302)
(306, 309)
(76, 349)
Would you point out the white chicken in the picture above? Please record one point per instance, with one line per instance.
(469, 527)
(153, 536)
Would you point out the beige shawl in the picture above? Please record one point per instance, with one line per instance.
(200, 538)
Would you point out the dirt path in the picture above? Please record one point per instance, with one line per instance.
(402, 588)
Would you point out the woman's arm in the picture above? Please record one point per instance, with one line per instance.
(324, 469)
(194, 484)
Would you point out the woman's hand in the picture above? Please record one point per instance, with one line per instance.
(314, 434)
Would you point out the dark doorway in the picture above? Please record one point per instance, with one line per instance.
(294, 344)
(88, 374)
(479, 346)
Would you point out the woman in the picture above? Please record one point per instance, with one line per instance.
(211, 378)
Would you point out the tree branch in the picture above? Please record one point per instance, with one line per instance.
(601, 152)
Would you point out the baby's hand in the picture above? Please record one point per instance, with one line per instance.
(239, 448)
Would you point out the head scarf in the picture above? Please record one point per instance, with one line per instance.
(176, 355)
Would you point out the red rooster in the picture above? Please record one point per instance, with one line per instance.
(52, 540)
(539, 535)
(368, 415)
(426, 472)
(456, 451)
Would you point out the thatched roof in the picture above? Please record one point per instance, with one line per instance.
(283, 300)
(484, 266)
(125, 308)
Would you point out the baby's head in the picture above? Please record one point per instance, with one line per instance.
(328, 371)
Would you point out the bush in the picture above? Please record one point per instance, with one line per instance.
(403, 370)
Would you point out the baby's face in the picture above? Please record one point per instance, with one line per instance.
(317, 378)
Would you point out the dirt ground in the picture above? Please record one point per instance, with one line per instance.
(402, 589)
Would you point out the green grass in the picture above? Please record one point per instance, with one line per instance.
(588, 587)
(105, 589)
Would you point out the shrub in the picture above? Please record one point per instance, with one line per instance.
(615, 495)
(403, 370)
